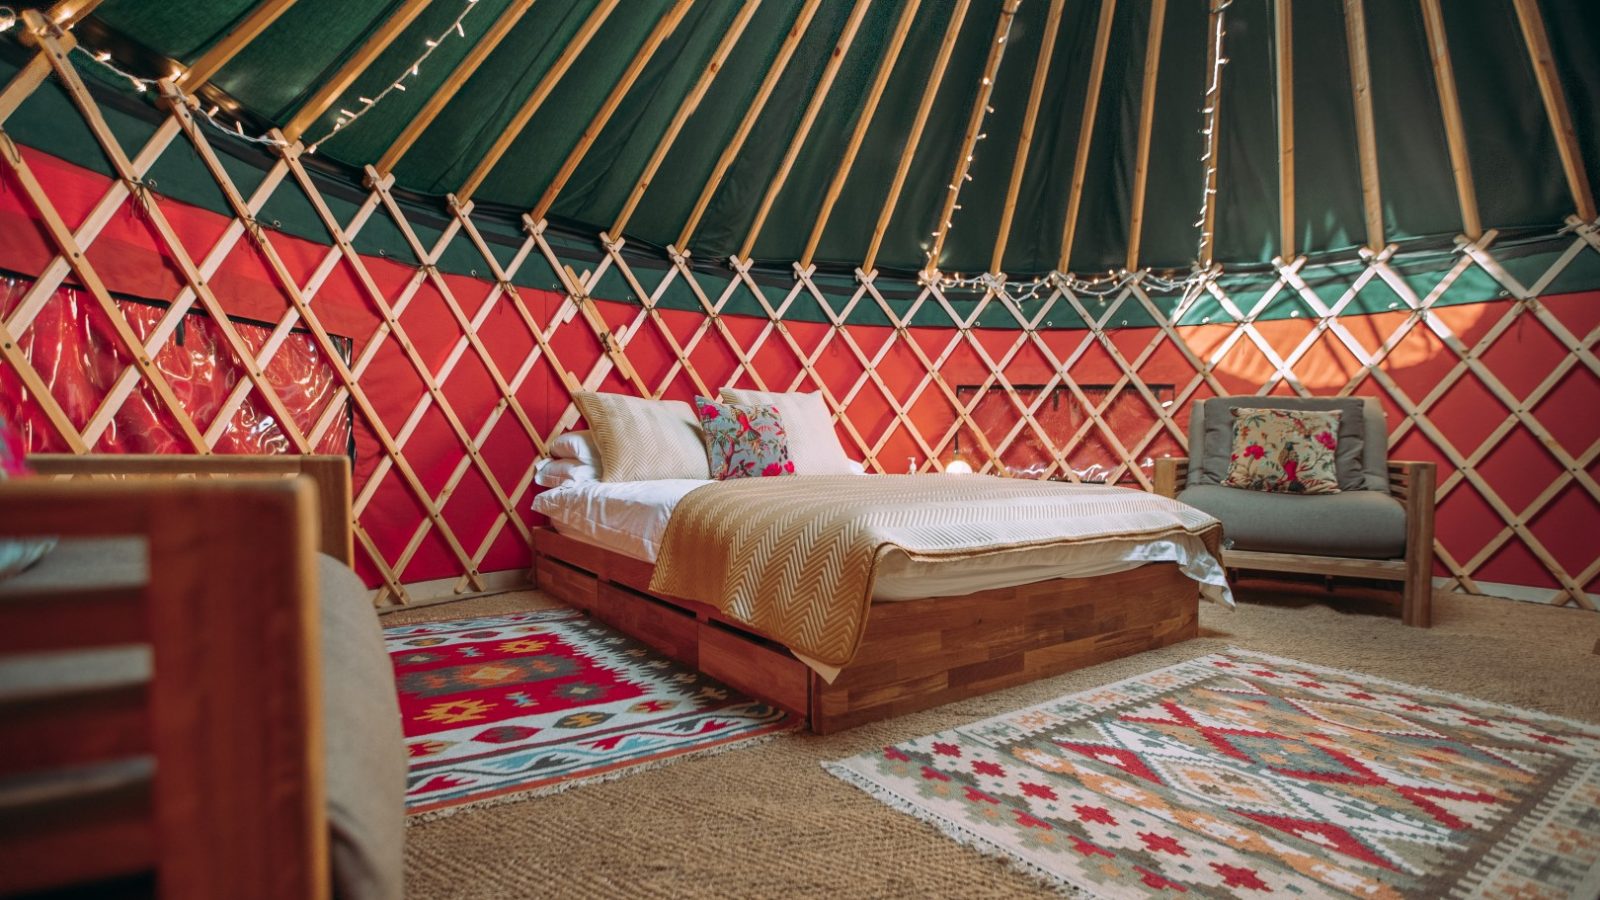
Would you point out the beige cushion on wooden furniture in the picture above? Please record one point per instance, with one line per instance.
(644, 440)
(813, 444)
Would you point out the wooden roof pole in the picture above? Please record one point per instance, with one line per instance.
(1444, 77)
(1282, 23)
(68, 13)
(541, 91)
(664, 27)
(1555, 106)
(691, 102)
(991, 65)
(909, 151)
(1147, 111)
(231, 44)
(880, 81)
(1091, 107)
(729, 152)
(818, 96)
(1355, 27)
(329, 92)
(447, 90)
(1019, 163)
(1208, 221)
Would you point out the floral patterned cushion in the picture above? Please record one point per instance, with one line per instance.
(1285, 451)
(743, 441)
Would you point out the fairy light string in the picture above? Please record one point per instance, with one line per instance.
(1115, 281)
(346, 116)
(1102, 287)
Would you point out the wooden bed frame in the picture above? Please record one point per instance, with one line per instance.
(916, 654)
(234, 804)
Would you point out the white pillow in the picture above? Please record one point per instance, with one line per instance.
(556, 472)
(857, 468)
(813, 444)
(577, 445)
(644, 440)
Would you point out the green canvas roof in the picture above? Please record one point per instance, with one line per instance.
(1513, 150)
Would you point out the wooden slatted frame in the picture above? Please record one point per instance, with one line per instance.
(541, 91)
(969, 137)
(686, 108)
(1444, 77)
(1283, 65)
(1355, 28)
(1475, 252)
(333, 87)
(819, 95)
(237, 38)
(1147, 112)
(730, 151)
(1208, 219)
(447, 90)
(1091, 110)
(1019, 160)
(869, 108)
(663, 28)
(908, 152)
(1537, 41)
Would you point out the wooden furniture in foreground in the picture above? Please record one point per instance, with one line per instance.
(1412, 483)
(205, 770)
(916, 654)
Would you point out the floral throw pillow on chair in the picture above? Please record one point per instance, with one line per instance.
(1284, 451)
(743, 441)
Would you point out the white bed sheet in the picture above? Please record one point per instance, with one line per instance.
(630, 517)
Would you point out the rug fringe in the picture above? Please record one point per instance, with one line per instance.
(563, 786)
(955, 832)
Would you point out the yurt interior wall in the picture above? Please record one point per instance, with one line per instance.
(1027, 236)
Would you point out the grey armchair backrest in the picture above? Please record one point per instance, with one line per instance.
(1211, 468)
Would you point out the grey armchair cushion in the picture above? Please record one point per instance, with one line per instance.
(1361, 460)
(1359, 524)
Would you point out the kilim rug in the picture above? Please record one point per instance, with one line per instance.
(508, 706)
(1241, 774)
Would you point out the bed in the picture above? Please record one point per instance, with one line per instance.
(938, 629)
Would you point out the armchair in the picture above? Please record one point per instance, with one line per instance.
(1380, 526)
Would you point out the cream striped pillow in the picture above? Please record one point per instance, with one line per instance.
(813, 444)
(644, 440)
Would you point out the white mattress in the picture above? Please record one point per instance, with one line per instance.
(630, 517)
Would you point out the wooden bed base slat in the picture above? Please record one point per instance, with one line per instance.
(915, 654)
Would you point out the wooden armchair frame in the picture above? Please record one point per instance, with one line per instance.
(1412, 483)
(231, 718)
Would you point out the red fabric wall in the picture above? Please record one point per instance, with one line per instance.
(77, 355)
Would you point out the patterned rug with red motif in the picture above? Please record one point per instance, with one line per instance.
(1241, 774)
(504, 707)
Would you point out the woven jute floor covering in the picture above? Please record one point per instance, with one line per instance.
(767, 821)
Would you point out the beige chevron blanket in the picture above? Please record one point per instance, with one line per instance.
(795, 558)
